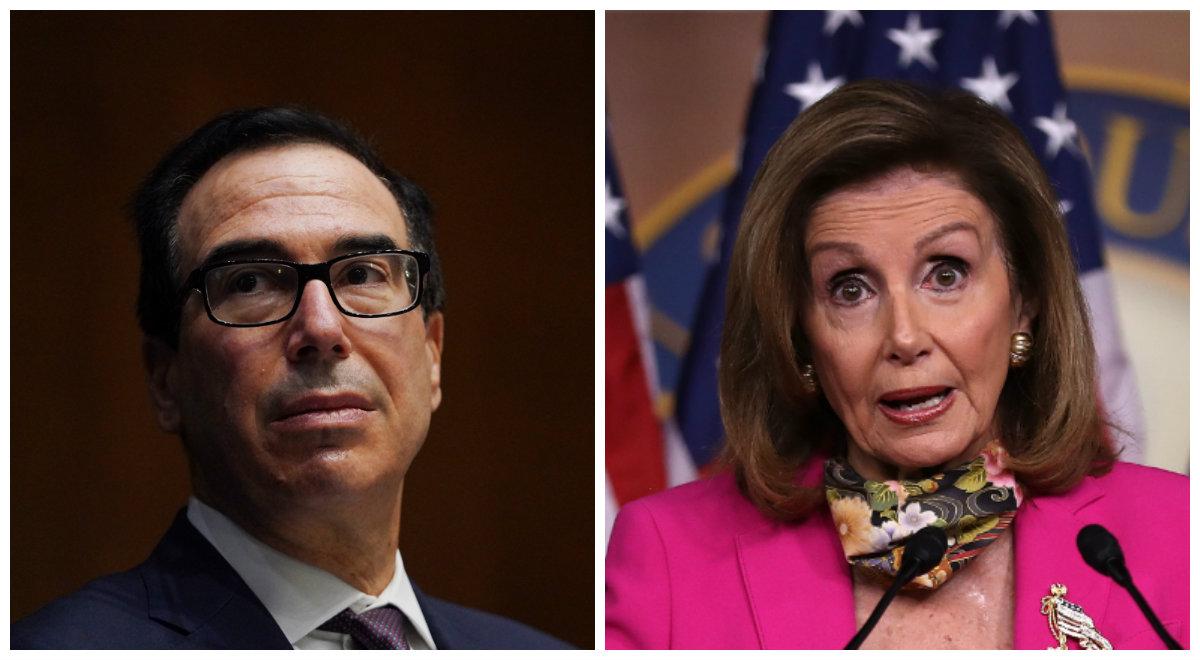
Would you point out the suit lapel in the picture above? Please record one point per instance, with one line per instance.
(1045, 553)
(796, 600)
(191, 588)
(443, 627)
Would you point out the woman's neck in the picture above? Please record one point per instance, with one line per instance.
(873, 468)
(974, 609)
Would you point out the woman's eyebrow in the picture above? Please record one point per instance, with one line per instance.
(836, 246)
(856, 250)
(961, 225)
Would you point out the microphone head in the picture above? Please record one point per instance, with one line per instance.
(924, 549)
(1100, 550)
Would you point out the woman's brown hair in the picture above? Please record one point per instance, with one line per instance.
(1048, 416)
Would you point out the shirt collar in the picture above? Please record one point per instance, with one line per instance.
(298, 596)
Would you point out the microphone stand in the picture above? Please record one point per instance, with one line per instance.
(858, 639)
(1121, 576)
(922, 552)
(1099, 548)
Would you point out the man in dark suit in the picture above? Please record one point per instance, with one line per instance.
(291, 304)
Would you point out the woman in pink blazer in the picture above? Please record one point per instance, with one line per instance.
(699, 567)
(906, 346)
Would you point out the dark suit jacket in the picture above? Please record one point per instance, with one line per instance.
(187, 596)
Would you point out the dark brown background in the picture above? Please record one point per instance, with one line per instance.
(491, 113)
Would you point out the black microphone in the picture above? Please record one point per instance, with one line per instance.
(1101, 551)
(923, 551)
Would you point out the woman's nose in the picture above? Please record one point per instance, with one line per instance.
(908, 337)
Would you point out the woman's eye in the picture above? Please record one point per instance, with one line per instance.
(948, 275)
(849, 291)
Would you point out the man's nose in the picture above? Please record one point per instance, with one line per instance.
(908, 338)
(317, 329)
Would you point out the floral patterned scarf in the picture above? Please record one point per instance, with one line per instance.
(973, 503)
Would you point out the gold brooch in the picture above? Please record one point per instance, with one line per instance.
(1068, 620)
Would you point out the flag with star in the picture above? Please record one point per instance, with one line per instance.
(1005, 58)
(642, 454)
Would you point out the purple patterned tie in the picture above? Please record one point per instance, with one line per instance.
(377, 629)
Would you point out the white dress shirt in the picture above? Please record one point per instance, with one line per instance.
(300, 596)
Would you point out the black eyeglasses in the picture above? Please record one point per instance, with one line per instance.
(254, 292)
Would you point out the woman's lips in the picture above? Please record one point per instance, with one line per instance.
(916, 406)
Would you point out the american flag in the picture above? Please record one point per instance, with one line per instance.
(1006, 58)
(642, 454)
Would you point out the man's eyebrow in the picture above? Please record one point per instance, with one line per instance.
(265, 248)
(347, 244)
(255, 248)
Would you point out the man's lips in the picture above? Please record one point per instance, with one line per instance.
(323, 408)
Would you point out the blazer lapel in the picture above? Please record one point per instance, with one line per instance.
(796, 600)
(1045, 554)
(190, 587)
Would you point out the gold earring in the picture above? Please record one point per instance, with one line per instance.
(808, 378)
(1020, 350)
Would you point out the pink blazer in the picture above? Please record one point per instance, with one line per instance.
(698, 567)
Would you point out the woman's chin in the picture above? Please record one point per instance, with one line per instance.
(934, 463)
(916, 458)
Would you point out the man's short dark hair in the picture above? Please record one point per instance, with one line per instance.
(155, 207)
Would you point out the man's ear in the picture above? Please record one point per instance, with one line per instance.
(434, 330)
(162, 382)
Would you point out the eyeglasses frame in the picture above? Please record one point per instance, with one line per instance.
(307, 273)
